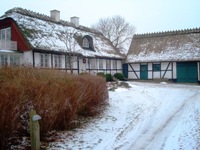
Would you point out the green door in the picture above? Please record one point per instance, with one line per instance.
(125, 70)
(187, 72)
(143, 72)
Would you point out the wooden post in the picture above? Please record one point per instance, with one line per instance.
(34, 131)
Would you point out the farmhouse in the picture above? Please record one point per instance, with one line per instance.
(33, 39)
(30, 38)
(173, 55)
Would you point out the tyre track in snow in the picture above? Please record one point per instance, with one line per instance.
(155, 137)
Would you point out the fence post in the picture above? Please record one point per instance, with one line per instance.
(34, 130)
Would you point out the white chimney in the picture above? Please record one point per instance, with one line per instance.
(55, 15)
(75, 21)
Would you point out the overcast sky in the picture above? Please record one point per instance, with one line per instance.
(146, 15)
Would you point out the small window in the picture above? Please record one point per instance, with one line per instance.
(70, 62)
(108, 64)
(88, 43)
(4, 60)
(114, 64)
(156, 67)
(93, 63)
(44, 60)
(57, 61)
(5, 34)
(85, 42)
(100, 63)
(14, 60)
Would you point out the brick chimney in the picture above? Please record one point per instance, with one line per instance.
(75, 21)
(55, 15)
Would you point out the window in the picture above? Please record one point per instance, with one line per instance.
(156, 67)
(100, 63)
(4, 60)
(93, 63)
(108, 64)
(44, 60)
(5, 34)
(85, 42)
(14, 60)
(70, 62)
(57, 61)
(114, 64)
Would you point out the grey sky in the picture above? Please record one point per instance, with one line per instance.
(146, 15)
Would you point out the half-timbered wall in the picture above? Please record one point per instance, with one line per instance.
(79, 64)
(95, 65)
(166, 70)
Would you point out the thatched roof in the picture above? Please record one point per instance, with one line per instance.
(182, 45)
(42, 32)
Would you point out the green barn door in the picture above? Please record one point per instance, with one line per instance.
(125, 70)
(143, 72)
(187, 72)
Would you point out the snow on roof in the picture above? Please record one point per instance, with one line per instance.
(183, 45)
(8, 51)
(45, 34)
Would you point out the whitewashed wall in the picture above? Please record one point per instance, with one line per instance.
(136, 67)
(198, 66)
(168, 74)
(174, 70)
(165, 72)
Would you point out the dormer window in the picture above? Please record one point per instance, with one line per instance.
(88, 43)
(85, 42)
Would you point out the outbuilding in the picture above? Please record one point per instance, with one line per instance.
(173, 55)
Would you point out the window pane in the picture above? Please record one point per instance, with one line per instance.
(57, 61)
(44, 60)
(85, 43)
(41, 60)
(70, 62)
(107, 64)
(8, 34)
(93, 63)
(3, 34)
(156, 67)
(14, 60)
(114, 64)
(100, 63)
(4, 60)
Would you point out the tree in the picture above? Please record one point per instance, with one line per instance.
(117, 30)
(69, 38)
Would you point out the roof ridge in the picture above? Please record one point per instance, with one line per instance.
(166, 33)
(48, 18)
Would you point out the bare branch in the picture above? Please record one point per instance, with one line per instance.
(117, 30)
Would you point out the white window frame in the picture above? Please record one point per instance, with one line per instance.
(3, 60)
(100, 63)
(93, 63)
(108, 64)
(14, 60)
(70, 60)
(5, 34)
(57, 61)
(44, 60)
(114, 64)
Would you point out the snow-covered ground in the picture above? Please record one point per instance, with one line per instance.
(147, 116)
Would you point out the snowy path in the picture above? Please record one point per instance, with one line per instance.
(147, 116)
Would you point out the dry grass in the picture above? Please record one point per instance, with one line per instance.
(57, 97)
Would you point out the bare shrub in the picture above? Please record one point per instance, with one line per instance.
(57, 97)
